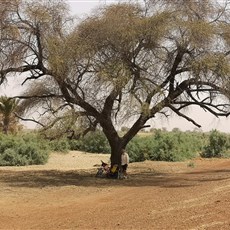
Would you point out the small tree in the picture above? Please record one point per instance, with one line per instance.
(217, 145)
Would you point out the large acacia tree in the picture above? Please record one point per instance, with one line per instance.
(126, 62)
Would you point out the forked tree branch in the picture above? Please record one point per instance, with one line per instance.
(183, 115)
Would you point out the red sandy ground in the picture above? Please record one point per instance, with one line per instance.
(157, 195)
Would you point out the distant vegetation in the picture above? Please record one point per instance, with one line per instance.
(179, 146)
(157, 145)
(161, 145)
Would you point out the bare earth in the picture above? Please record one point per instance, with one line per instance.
(64, 194)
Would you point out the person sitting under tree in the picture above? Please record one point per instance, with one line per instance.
(124, 162)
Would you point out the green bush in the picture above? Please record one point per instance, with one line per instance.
(136, 150)
(10, 157)
(217, 146)
(165, 149)
(93, 142)
(166, 146)
(22, 150)
(60, 145)
(75, 144)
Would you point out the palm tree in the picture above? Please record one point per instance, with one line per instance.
(7, 109)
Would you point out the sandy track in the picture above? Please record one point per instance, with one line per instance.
(64, 194)
(67, 161)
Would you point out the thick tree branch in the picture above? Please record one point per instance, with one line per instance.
(39, 96)
(28, 119)
(183, 115)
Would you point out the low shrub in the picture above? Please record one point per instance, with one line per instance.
(22, 150)
(136, 150)
(217, 146)
(60, 145)
(93, 142)
(166, 146)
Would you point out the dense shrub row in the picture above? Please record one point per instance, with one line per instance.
(23, 150)
(166, 146)
(94, 142)
(162, 145)
(158, 146)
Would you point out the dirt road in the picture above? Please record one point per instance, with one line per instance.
(64, 194)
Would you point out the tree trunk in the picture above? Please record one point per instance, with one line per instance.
(118, 143)
(6, 125)
(116, 155)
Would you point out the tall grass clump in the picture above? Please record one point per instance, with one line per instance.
(23, 150)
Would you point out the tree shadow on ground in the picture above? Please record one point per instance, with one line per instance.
(86, 178)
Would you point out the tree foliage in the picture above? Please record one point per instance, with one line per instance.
(125, 63)
(8, 120)
(217, 146)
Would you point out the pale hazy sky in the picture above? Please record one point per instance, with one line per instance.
(208, 122)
